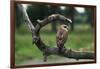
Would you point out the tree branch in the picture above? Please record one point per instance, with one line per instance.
(25, 16)
(47, 50)
(69, 53)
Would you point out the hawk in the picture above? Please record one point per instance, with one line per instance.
(61, 37)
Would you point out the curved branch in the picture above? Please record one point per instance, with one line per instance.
(47, 50)
(50, 19)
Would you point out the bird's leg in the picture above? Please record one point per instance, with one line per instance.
(60, 48)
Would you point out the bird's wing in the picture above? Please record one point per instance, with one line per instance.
(65, 36)
(59, 37)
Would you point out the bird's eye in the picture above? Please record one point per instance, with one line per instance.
(65, 27)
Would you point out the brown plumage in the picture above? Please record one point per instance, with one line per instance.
(61, 37)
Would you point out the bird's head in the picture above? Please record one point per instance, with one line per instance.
(64, 27)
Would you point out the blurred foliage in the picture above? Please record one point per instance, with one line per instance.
(41, 11)
(37, 12)
(89, 12)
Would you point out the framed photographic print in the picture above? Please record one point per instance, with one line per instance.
(51, 34)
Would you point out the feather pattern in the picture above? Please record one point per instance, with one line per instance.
(61, 37)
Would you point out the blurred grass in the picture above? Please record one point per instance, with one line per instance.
(80, 38)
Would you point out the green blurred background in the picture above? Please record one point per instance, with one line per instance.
(81, 35)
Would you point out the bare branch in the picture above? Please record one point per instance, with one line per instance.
(26, 18)
(53, 17)
(68, 53)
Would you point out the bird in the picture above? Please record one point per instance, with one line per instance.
(62, 36)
